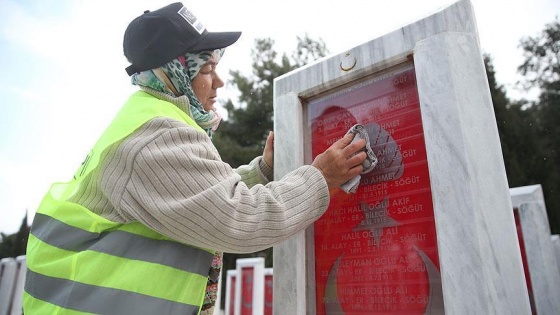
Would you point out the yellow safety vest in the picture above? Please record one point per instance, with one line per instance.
(80, 263)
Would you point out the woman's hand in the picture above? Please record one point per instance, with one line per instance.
(268, 153)
(341, 161)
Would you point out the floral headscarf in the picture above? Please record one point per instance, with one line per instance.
(181, 71)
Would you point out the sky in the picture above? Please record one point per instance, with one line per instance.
(63, 76)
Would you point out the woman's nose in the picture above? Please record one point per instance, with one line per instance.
(217, 81)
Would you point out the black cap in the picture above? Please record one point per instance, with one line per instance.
(155, 38)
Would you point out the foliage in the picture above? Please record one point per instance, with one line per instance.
(530, 135)
(15, 244)
(542, 57)
(541, 68)
(518, 133)
(243, 135)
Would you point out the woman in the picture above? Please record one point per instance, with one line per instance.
(142, 226)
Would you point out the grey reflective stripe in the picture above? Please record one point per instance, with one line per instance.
(99, 300)
(122, 244)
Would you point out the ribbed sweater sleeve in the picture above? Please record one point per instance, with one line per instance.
(170, 177)
(256, 172)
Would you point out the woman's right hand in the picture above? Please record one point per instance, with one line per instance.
(341, 161)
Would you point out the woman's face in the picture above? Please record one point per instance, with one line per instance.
(206, 84)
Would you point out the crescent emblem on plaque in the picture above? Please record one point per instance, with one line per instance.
(332, 303)
(347, 65)
(435, 299)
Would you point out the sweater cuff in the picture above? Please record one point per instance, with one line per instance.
(266, 170)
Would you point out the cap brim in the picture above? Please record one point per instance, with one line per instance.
(216, 40)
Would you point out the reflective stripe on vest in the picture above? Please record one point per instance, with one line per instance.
(79, 262)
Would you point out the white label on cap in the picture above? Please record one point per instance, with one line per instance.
(193, 21)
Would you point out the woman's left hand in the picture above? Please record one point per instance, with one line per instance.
(268, 153)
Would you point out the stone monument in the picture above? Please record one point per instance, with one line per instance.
(537, 249)
(430, 230)
(556, 244)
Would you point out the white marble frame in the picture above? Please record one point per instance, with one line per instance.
(480, 260)
(555, 239)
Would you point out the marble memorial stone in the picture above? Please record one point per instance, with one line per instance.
(526, 194)
(556, 245)
(17, 301)
(8, 276)
(541, 269)
(430, 230)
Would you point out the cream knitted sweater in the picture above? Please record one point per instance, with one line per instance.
(170, 177)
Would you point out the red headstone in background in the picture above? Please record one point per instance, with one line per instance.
(268, 291)
(247, 274)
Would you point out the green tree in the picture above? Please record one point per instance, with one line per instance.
(15, 244)
(517, 129)
(242, 136)
(541, 69)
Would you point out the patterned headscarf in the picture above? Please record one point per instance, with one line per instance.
(181, 71)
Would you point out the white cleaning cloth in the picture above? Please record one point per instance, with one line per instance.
(369, 163)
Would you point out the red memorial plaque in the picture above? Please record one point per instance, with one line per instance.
(247, 276)
(268, 287)
(376, 250)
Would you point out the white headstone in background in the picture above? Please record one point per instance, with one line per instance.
(430, 229)
(17, 305)
(249, 286)
(8, 274)
(543, 278)
(525, 194)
